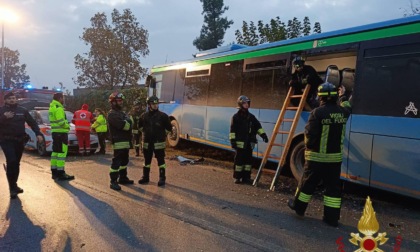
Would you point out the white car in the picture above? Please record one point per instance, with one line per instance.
(41, 117)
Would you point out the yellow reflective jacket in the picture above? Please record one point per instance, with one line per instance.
(58, 118)
(100, 124)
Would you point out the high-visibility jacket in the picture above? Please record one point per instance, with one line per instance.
(120, 129)
(100, 124)
(154, 125)
(325, 132)
(82, 119)
(244, 128)
(57, 117)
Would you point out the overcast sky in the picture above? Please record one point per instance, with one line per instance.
(47, 31)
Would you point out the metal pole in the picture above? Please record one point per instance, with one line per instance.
(2, 56)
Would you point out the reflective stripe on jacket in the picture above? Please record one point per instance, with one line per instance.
(57, 117)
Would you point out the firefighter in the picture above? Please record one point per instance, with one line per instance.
(59, 128)
(244, 128)
(82, 121)
(324, 136)
(120, 126)
(13, 138)
(154, 125)
(135, 116)
(303, 75)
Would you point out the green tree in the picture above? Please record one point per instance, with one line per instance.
(275, 30)
(115, 52)
(214, 27)
(14, 72)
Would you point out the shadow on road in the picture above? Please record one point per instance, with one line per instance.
(107, 216)
(22, 234)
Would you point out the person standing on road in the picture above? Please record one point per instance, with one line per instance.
(135, 116)
(101, 128)
(13, 138)
(324, 137)
(154, 125)
(59, 128)
(82, 120)
(120, 126)
(244, 128)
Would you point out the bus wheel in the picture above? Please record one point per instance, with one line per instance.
(297, 160)
(173, 136)
(41, 147)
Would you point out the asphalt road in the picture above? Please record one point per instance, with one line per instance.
(200, 209)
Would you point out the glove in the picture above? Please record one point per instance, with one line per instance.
(264, 137)
(233, 144)
(304, 81)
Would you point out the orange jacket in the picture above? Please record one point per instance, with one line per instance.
(82, 119)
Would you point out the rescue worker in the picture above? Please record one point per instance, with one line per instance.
(244, 128)
(303, 75)
(135, 116)
(82, 121)
(154, 125)
(13, 138)
(324, 136)
(101, 128)
(120, 128)
(59, 128)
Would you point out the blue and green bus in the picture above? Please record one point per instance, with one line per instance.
(379, 64)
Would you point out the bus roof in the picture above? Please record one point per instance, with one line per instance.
(390, 28)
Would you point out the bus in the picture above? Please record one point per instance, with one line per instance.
(378, 63)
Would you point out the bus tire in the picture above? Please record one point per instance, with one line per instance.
(297, 160)
(173, 136)
(41, 147)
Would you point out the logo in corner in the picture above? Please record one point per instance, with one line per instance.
(368, 225)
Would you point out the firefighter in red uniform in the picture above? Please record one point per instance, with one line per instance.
(154, 125)
(82, 120)
(120, 126)
(324, 136)
(244, 128)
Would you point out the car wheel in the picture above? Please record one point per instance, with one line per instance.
(173, 136)
(297, 160)
(41, 147)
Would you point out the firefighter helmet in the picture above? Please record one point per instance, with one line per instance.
(327, 90)
(152, 99)
(116, 96)
(242, 99)
(298, 61)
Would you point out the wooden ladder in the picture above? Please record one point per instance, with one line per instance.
(287, 106)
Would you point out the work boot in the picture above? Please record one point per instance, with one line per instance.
(247, 181)
(115, 186)
(237, 181)
(330, 222)
(64, 176)
(125, 181)
(145, 178)
(162, 177)
(291, 205)
(54, 174)
(15, 191)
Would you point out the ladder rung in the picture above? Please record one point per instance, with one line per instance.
(277, 144)
(273, 157)
(296, 96)
(292, 108)
(283, 132)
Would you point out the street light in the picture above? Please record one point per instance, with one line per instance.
(5, 15)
